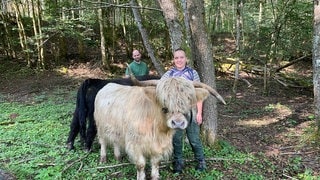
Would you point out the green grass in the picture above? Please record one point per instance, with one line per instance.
(33, 136)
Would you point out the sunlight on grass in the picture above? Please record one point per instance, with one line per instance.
(257, 122)
(62, 70)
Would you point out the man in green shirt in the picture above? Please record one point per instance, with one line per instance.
(138, 67)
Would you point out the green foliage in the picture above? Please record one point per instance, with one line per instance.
(307, 175)
(283, 20)
(290, 22)
(32, 145)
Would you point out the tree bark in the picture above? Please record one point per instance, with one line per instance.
(188, 38)
(238, 45)
(104, 61)
(203, 54)
(41, 49)
(22, 34)
(316, 62)
(7, 41)
(170, 13)
(36, 21)
(145, 38)
(218, 19)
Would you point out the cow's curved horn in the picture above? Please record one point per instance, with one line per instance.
(210, 89)
(145, 83)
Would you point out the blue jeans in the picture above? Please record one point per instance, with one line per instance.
(193, 135)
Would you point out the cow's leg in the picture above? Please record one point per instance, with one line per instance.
(140, 165)
(103, 150)
(82, 124)
(74, 130)
(137, 158)
(155, 167)
(116, 152)
(91, 131)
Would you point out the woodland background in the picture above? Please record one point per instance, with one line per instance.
(261, 47)
(45, 34)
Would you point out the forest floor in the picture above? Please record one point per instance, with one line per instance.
(275, 126)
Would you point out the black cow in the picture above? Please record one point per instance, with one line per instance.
(85, 107)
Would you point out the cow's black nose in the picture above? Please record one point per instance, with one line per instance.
(178, 124)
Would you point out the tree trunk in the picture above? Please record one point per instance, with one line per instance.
(188, 32)
(170, 13)
(204, 64)
(35, 7)
(62, 52)
(41, 43)
(7, 41)
(145, 38)
(260, 16)
(316, 62)
(217, 19)
(238, 45)
(105, 64)
(22, 34)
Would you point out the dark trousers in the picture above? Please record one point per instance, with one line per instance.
(193, 135)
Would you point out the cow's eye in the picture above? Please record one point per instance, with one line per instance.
(165, 110)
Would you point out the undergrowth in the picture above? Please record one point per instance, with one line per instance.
(33, 137)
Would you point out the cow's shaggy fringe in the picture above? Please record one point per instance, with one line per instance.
(180, 102)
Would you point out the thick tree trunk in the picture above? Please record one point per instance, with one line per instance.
(170, 13)
(316, 62)
(188, 32)
(204, 64)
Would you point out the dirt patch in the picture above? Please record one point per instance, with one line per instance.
(272, 126)
(6, 176)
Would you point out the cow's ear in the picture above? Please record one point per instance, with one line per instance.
(201, 94)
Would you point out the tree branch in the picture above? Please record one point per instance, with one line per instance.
(78, 160)
(291, 63)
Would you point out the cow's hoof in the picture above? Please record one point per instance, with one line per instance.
(103, 159)
(87, 150)
(70, 146)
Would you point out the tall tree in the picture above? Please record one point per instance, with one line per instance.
(145, 37)
(316, 61)
(36, 21)
(203, 60)
(217, 26)
(202, 55)
(102, 38)
(22, 33)
(7, 40)
(239, 7)
(171, 16)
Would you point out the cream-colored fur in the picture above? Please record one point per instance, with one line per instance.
(132, 118)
